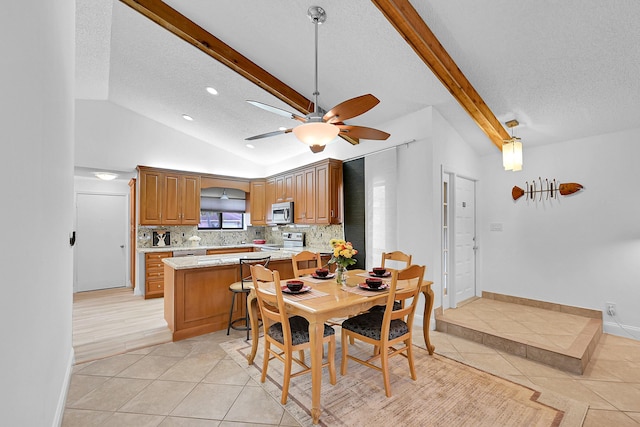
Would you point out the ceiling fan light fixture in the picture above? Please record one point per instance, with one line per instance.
(314, 133)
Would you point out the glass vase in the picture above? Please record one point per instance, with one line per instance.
(341, 275)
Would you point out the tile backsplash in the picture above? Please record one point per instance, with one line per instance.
(316, 235)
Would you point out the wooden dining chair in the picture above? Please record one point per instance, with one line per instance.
(389, 331)
(305, 262)
(397, 256)
(287, 334)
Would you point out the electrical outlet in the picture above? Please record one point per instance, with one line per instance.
(611, 308)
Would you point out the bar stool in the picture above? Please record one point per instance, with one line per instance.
(244, 286)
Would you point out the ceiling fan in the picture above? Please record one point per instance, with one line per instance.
(320, 127)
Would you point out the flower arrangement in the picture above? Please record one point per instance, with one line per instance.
(343, 253)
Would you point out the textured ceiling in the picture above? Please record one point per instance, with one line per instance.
(564, 69)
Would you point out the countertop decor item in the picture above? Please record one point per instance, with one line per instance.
(161, 238)
(195, 240)
(342, 256)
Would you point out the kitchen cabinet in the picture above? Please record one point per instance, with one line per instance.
(154, 274)
(269, 199)
(329, 193)
(257, 195)
(168, 198)
(305, 196)
(150, 192)
(197, 300)
(284, 188)
(318, 193)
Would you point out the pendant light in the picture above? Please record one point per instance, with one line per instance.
(224, 195)
(512, 150)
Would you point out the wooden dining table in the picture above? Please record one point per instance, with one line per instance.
(325, 301)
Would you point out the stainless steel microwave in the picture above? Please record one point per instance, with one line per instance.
(282, 213)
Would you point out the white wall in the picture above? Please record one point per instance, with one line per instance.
(580, 250)
(437, 145)
(36, 122)
(452, 155)
(111, 137)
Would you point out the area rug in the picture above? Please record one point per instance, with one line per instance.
(446, 393)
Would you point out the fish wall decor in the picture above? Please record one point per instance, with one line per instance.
(551, 189)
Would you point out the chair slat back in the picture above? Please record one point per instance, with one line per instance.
(312, 260)
(270, 301)
(397, 256)
(409, 281)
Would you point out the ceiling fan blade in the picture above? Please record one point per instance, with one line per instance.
(362, 132)
(278, 111)
(351, 108)
(317, 148)
(268, 134)
(350, 140)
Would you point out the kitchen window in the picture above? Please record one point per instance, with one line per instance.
(213, 220)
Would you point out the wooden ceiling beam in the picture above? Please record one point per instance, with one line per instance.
(178, 24)
(402, 15)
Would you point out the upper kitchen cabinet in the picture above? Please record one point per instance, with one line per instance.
(318, 193)
(270, 199)
(284, 188)
(328, 200)
(257, 195)
(305, 196)
(168, 197)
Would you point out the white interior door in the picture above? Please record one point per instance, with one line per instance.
(101, 236)
(464, 240)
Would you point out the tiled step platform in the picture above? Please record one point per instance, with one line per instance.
(560, 336)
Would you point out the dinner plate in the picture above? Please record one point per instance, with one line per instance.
(382, 287)
(305, 288)
(328, 276)
(386, 274)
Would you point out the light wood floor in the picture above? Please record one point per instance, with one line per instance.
(114, 321)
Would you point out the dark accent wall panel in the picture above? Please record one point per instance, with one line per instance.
(354, 208)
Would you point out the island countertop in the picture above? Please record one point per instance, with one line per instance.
(202, 261)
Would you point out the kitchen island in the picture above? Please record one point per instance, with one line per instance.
(196, 290)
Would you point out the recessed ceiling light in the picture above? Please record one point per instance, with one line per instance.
(106, 176)
(250, 146)
(187, 117)
(212, 91)
(282, 128)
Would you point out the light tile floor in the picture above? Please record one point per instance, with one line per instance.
(187, 383)
(194, 383)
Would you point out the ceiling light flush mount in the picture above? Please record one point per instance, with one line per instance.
(187, 117)
(512, 150)
(212, 90)
(106, 176)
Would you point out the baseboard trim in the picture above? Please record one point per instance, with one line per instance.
(624, 331)
(62, 398)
